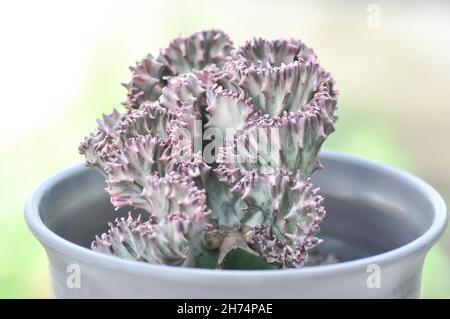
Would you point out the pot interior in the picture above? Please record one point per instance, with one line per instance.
(370, 209)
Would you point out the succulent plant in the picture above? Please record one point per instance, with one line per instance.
(214, 152)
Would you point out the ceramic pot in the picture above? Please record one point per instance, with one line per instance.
(381, 223)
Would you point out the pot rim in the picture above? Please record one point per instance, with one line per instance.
(420, 244)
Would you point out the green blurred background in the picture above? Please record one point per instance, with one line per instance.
(61, 64)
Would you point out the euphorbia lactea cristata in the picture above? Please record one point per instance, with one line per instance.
(215, 151)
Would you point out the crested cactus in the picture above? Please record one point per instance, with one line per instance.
(215, 151)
